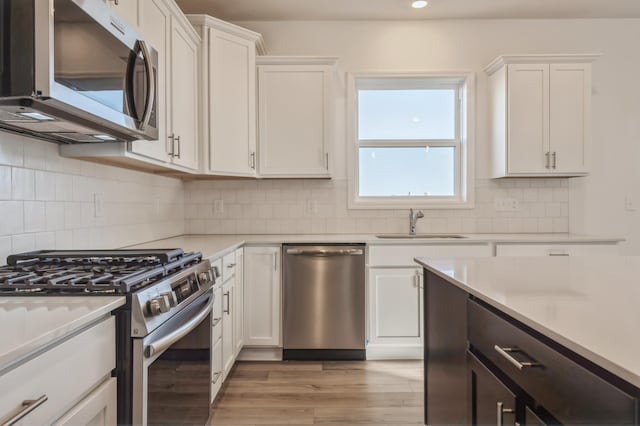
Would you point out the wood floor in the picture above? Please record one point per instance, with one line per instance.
(336, 393)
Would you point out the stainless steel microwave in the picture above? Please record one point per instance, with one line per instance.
(72, 71)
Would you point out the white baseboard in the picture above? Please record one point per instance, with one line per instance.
(260, 354)
(379, 352)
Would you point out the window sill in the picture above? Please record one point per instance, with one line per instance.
(402, 204)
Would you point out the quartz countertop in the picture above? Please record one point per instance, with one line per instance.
(32, 322)
(213, 246)
(587, 304)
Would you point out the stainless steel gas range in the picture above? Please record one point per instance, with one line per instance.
(163, 343)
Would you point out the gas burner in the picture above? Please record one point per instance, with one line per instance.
(95, 271)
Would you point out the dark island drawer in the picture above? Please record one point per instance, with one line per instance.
(570, 392)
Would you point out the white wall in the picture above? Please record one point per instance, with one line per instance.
(597, 202)
(47, 201)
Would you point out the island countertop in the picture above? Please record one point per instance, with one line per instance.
(590, 305)
(34, 322)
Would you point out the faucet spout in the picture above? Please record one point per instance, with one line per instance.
(413, 219)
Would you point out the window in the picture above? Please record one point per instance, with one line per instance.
(411, 141)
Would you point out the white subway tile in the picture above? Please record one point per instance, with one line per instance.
(34, 216)
(11, 149)
(5, 249)
(12, 217)
(55, 215)
(23, 183)
(23, 242)
(64, 187)
(5, 183)
(45, 185)
(45, 240)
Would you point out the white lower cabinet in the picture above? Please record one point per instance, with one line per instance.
(217, 371)
(262, 296)
(99, 408)
(238, 318)
(228, 345)
(395, 306)
(71, 378)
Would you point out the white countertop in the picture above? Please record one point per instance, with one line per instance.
(32, 322)
(587, 304)
(218, 245)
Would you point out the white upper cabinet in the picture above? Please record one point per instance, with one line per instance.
(184, 85)
(228, 61)
(155, 24)
(541, 108)
(295, 116)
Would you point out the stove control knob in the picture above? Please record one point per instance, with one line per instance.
(171, 296)
(158, 305)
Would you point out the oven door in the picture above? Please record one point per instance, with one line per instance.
(172, 369)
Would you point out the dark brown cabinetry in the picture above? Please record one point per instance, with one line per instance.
(484, 367)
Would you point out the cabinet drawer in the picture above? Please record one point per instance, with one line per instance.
(228, 266)
(403, 255)
(571, 393)
(65, 374)
(216, 369)
(216, 320)
(556, 249)
(99, 408)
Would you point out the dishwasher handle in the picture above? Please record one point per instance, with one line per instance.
(325, 252)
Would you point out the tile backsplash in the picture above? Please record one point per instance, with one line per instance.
(310, 206)
(48, 201)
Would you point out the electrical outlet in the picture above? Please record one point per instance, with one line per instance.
(506, 204)
(98, 205)
(629, 204)
(312, 206)
(218, 207)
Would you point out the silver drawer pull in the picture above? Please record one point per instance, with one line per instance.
(231, 265)
(501, 412)
(506, 353)
(216, 376)
(27, 407)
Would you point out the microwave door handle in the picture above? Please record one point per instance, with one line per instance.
(151, 83)
(129, 95)
(186, 328)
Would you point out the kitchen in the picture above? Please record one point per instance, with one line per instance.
(181, 194)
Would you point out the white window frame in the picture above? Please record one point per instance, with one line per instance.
(464, 83)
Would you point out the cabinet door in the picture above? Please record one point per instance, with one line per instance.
(239, 302)
(294, 120)
(395, 306)
(492, 402)
(155, 24)
(99, 408)
(184, 97)
(528, 118)
(232, 105)
(126, 9)
(228, 345)
(262, 296)
(570, 112)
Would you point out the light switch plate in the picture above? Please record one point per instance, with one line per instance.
(629, 204)
(506, 204)
(218, 207)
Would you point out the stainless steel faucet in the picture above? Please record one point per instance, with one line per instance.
(413, 218)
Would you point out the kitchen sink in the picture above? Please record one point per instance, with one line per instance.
(434, 236)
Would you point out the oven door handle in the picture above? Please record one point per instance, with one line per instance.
(164, 342)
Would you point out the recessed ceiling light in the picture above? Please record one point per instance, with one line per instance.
(419, 4)
(37, 116)
(105, 137)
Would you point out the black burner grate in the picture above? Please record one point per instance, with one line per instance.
(97, 272)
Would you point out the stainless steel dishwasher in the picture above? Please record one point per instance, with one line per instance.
(324, 302)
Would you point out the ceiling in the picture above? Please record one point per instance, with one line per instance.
(277, 10)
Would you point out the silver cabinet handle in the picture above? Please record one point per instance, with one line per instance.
(216, 321)
(216, 376)
(275, 261)
(172, 138)
(323, 252)
(326, 160)
(228, 310)
(186, 328)
(558, 254)
(554, 157)
(252, 160)
(177, 139)
(548, 163)
(506, 353)
(231, 265)
(501, 411)
(27, 407)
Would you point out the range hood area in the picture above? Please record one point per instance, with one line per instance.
(72, 72)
